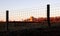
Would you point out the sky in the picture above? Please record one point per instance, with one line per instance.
(23, 9)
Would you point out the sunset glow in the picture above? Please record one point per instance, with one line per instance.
(23, 9)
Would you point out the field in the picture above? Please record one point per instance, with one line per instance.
(29, 29)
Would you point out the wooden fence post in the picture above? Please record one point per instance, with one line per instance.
(48, 15)
(7, 18)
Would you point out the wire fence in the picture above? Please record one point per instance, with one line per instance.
(26, 14)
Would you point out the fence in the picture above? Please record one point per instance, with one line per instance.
(48, 18)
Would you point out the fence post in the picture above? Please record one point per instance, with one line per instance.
(48, 19)
(7, 18)
(48, 15)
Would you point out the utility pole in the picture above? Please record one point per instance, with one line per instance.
(7, 18)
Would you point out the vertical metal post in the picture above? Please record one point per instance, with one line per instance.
(48, 15)
(7, 18)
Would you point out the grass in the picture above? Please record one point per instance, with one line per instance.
(29, 29)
